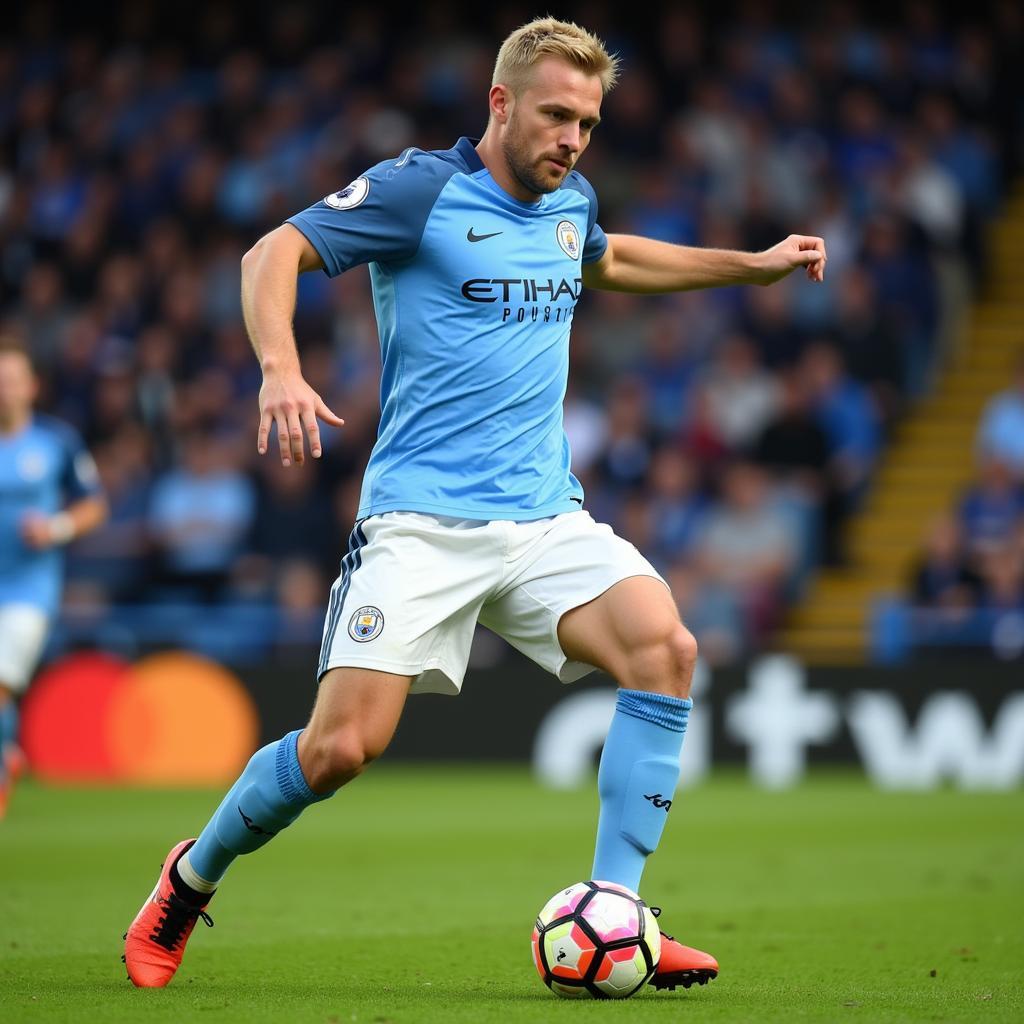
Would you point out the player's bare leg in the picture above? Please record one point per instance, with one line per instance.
(10, 755)
(633, 632)
(356, 714)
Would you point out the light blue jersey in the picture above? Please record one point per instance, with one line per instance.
(474, 293)
(43, 467)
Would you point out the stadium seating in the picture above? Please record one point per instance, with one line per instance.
(143, 163)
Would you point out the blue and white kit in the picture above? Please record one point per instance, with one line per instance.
(474, 293)
(43, 467)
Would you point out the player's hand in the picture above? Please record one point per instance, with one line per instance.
(37, 532)
(286, 399)
(792, 252)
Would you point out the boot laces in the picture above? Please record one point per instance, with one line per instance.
(656, 911)
(178, 916)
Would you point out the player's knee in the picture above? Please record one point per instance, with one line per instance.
(684, 652)
(337, 758)
(679, 655)
(666, 662)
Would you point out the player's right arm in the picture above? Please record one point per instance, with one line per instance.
(270, 270)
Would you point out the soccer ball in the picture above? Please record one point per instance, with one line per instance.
(596, 939)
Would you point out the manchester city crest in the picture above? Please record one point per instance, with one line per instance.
(366, 624)
(568, 239)
(31, 464)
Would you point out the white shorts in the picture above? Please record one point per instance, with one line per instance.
(23, 629)
(413, 587)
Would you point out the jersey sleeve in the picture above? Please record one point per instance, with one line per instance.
(79, 476)
(596, 242)
(379, 217)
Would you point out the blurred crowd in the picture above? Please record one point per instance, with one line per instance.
(967, 586)
(727, 433)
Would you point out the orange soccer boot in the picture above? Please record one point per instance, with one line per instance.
(155, 942)
(682, 965)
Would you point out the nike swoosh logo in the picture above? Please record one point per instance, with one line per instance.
(479, 238)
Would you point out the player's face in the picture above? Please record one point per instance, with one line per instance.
(550, 124)
(17, 387)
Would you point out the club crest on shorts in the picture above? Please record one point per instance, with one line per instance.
(568, 238)
(366, 624)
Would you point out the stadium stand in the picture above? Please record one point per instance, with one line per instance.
(147, 147)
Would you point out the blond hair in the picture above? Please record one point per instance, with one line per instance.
(548, 37)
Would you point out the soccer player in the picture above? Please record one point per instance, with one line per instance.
(469, 512)
(49, 494)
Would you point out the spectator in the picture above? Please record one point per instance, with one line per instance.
(156, 358)
(849, 417)
(904, 283)
(869, 342)
(765, 316)
(792, 443)
(747, 547)
(676, 505)
(741, 395)
(864, 147)
(1001, 431)
(199, 518)
(991, 509)
(928, 195)
(586, 428)
(668, 365)
(1002, 575)
(630, 439)
(794, 447)
(43, 313)
(941, 577)
(701, 439)
(292, 523)
(300, 589)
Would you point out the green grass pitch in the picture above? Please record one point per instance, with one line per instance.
(410, 897)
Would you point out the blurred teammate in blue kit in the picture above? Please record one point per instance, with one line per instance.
(49, 494)
(469, 510)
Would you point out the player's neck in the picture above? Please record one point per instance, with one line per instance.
(492, 156)
(14, 424)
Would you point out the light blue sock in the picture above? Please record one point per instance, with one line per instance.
(8, 730)
(636, 780)
(270, 794)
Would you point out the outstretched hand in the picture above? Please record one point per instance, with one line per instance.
(37, 532)
(792, 252)
(286, 398)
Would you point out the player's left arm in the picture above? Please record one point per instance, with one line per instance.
(86, 505)
(80, 517)
(634, 264)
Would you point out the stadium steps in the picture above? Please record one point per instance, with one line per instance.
(923, 470)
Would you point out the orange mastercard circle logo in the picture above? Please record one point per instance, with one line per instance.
(173, 718)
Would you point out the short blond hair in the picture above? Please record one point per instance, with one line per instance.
(548, 37)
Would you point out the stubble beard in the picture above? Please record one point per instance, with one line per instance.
(527, 173)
